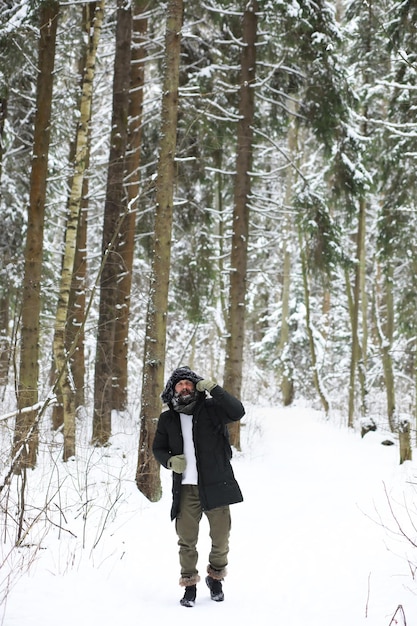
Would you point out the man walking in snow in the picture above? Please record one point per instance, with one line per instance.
(192, 440)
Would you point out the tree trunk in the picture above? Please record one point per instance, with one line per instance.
(220, 234)
(404, 433)
(31, 300)
(72, 330)
(286, 364)
(3, 116)
(127, 232)
(242, 189)
(356, 359)
(75, 334)
(314, 365)
(4, 339)
(64, 379)
(385, 335)
(5, 296)
(113, 215)
(147, 473)
(415, 390)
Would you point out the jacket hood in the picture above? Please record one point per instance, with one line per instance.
(181, 373)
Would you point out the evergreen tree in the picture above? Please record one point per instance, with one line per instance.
(397, 223)
(18, 42)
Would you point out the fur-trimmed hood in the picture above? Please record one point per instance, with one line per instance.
(181, 373)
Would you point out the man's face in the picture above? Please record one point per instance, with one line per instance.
(184, 388)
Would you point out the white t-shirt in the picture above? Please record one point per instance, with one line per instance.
(190, 476)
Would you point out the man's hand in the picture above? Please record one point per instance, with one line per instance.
(177, 463)
(205, 385)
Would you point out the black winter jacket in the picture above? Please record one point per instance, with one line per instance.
(216, 481)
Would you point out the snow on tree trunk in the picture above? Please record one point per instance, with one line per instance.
(64, 380)
(76, 318)
(404, 433)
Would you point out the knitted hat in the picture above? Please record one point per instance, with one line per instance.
(181, 373)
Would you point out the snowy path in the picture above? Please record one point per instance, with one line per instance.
(324, 558)
(304, 549)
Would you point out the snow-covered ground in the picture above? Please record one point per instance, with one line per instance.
(316, 542)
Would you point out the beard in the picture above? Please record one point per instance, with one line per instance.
(185, 401)
(184, 398)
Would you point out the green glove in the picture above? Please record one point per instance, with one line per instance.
(177, 463)
(205, 385)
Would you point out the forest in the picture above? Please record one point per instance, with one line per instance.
(226, 185)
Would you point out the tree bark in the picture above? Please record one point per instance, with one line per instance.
(4, 339)
(385, 331)
(404, 433)
(113, 215)
(64, 379)
(75, 334)
(242, 190)
(127, 232)
(147, 473)
(313, 354)
(356, 359)
(5, 297)
(27, 394)
(286, 365)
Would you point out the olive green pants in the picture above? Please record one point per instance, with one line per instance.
(187, 527)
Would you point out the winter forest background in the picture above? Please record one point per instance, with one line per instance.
(225, 185)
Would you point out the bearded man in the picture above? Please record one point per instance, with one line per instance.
(192, 440)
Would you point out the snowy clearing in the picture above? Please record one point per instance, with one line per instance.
(316, 541)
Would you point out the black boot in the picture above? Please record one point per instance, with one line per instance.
(216, 591)
(189, 596)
